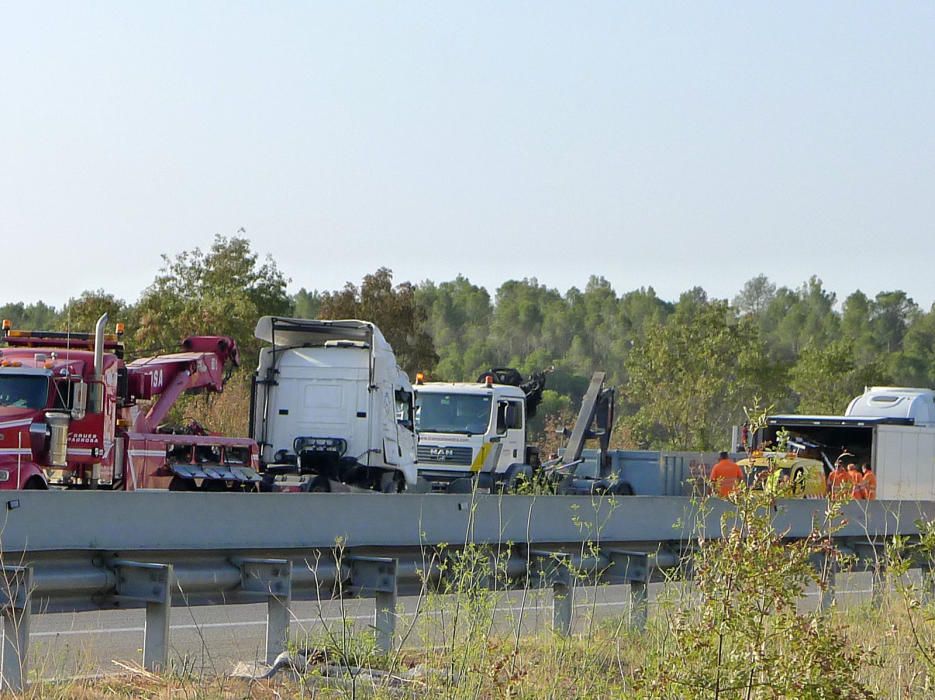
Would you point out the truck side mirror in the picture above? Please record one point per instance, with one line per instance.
(79, 399)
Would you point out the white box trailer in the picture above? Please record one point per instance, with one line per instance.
(904, 462)
(890, 428)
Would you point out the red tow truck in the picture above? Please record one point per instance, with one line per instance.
(71, 417)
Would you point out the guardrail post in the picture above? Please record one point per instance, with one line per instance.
(152, 584)
(16, 599)
(871, 560)
(377, 576)
(826, 566)
(272, 578)
(555, 567)
(633, 568)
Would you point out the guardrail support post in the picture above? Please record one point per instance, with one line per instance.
(633, 567)
(826, 567)
(153, 584)
(555, 567)
(16, 599)
(871, 561)
(272, 578)
(377, 576)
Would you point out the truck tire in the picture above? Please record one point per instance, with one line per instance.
(35, 483)
(180, 483)
(320, 484)
(516, 476)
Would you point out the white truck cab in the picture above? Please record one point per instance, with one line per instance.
(330, 401)
(463, 426)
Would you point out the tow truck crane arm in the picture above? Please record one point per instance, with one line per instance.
(205, 365)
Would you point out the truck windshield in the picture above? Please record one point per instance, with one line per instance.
(468, 414)
(23, 391)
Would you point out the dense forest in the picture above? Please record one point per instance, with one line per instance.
(685, 369)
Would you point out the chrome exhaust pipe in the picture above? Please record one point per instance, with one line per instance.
(99, 363)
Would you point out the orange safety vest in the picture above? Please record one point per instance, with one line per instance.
(855, 477)
(838, 483)
(725, 475)
(869, 483)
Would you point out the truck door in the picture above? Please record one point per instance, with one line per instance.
(512, 431)
(391, 450)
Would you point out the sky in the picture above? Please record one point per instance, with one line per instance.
(657, 144)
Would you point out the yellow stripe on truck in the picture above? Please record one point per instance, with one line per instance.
(481, 457)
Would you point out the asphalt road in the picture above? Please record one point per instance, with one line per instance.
(212, 639)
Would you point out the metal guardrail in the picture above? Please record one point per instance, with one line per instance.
(74, 551)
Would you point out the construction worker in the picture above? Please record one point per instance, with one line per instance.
(726, 474)
(839, 484)
(856, 479)
(868, 483)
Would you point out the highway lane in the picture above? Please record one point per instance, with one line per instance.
(212, 639)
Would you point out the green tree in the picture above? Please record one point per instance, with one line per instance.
(755, 297)
(458, 317)
(914, 365)
(891, 315)
(795, 318)
(80, 315)
(37, 316)
(219, 292)
(856, 326)
(691, 377)
(393, 309)
(826, 378)
(307, 304)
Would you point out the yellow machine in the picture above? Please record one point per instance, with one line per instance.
(798, 476)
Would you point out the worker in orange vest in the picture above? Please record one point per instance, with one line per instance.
(725, 475)
(869, 483)
(839, 484)
(856, 479)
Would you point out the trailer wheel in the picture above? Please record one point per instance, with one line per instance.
(180, 483)
(36, 483)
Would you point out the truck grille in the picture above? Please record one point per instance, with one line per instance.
(455, 456)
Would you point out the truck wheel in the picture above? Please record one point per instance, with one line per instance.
(179, 483)
(622, 489)
(319, 484)
(393, 482)
(517, 475)
(35, 483)
(214, 485)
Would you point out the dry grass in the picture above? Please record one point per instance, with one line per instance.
(601, 664)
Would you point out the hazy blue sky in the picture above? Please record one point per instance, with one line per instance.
(660, 143)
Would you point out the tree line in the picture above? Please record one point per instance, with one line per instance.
(685, 369)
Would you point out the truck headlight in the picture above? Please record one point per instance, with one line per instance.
(4, 474)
